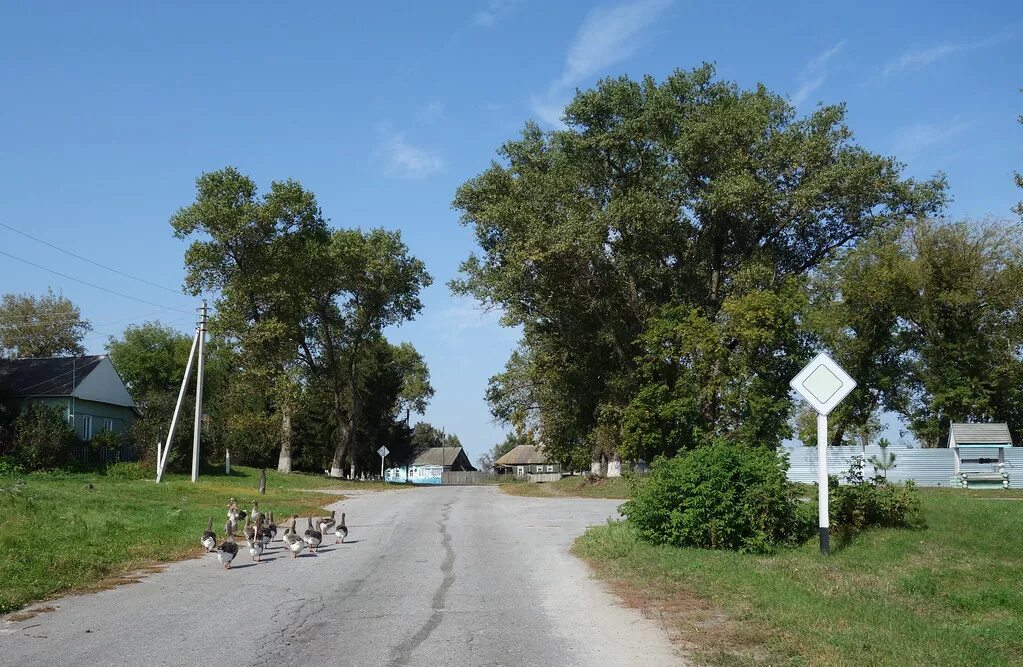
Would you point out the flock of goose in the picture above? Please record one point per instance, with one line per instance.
(260, 530)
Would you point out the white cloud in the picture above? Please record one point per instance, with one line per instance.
(814, 74)
(916, 138)
(405, 160)
(606, 37)
(493, 11)
(920, 58)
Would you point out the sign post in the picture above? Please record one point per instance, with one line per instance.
(383, 451)
(823, 384)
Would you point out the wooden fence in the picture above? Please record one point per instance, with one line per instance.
(459, 477)
(104, 455)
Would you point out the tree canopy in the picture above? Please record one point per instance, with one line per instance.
(46, 326)
(682, 213)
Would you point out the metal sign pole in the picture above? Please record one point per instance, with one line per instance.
(822, 480)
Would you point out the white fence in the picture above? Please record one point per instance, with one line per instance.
(926, 467)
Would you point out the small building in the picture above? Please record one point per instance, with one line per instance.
(525, 460)
(980, 454)
(431, 464)
(88, 390)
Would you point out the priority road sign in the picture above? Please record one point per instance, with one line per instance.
(823, 383)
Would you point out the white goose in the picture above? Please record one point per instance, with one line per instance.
(250, 533)
(209, 538)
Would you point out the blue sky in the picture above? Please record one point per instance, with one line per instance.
(109, 111)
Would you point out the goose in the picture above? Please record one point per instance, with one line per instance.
(227, 551)
(256, 515)
(272, 527)
(341, 532)
(294, 543)
(264, 533)
(209, 538)
(230, 527)
(250, 533)
(313, 537)
(325, 523)
(256, 545)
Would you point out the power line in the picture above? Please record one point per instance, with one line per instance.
(79, 280)
(86, 259)
(61, 320)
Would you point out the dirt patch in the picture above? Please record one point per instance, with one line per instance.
(26, 614)
(703, 632)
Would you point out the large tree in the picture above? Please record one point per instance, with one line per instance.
(366, 281)
(656, 198)
(46, 326)
(254, 253)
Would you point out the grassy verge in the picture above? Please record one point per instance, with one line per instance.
(63, 532)
(950, 593)
(575, 487)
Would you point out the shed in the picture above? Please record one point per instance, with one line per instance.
(449, 458)
(87, 388)
(524, 460)
(970, 443)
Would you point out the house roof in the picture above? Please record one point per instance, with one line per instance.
(981, 434)
(522, 455)
(438, 456)
(49, 376)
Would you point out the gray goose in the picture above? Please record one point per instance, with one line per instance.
(326, 523)
(341, 532)
(250, 533)
(227, 551)
(313, 537)
(294, 543)
(209, 538)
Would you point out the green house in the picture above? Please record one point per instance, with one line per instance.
(88, 390)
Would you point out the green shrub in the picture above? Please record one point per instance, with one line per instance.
(9, 466)
(42, 438)
(721, 496)
(126, 470)
(108, 439)
(857, 506)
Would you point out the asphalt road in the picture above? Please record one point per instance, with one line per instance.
(433, 576)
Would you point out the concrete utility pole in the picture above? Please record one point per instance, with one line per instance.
(198, 394)
(161, 463)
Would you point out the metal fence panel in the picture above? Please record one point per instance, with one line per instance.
(926, 467)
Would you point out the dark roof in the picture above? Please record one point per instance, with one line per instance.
(522, 455)
(436, 456)
(982, 434)
(49, 376)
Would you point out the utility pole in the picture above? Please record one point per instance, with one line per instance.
(198, 394)
(161, 464)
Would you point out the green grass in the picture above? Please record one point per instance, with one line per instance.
(575, 487)
(58, 534)
(950, 593)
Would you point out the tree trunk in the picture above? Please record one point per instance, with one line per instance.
(284, 461)
(340, 448)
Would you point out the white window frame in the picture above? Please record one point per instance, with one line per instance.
(86, 427)
(550, 468)
(108, 425)
(521, 471)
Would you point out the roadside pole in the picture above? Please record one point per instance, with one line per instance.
(198, 395)
(161, 465)
(823, 383)
(383, 452)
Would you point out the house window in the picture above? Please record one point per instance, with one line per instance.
(108, 425)
(522, 471)
(550, 468)
(86, 427)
